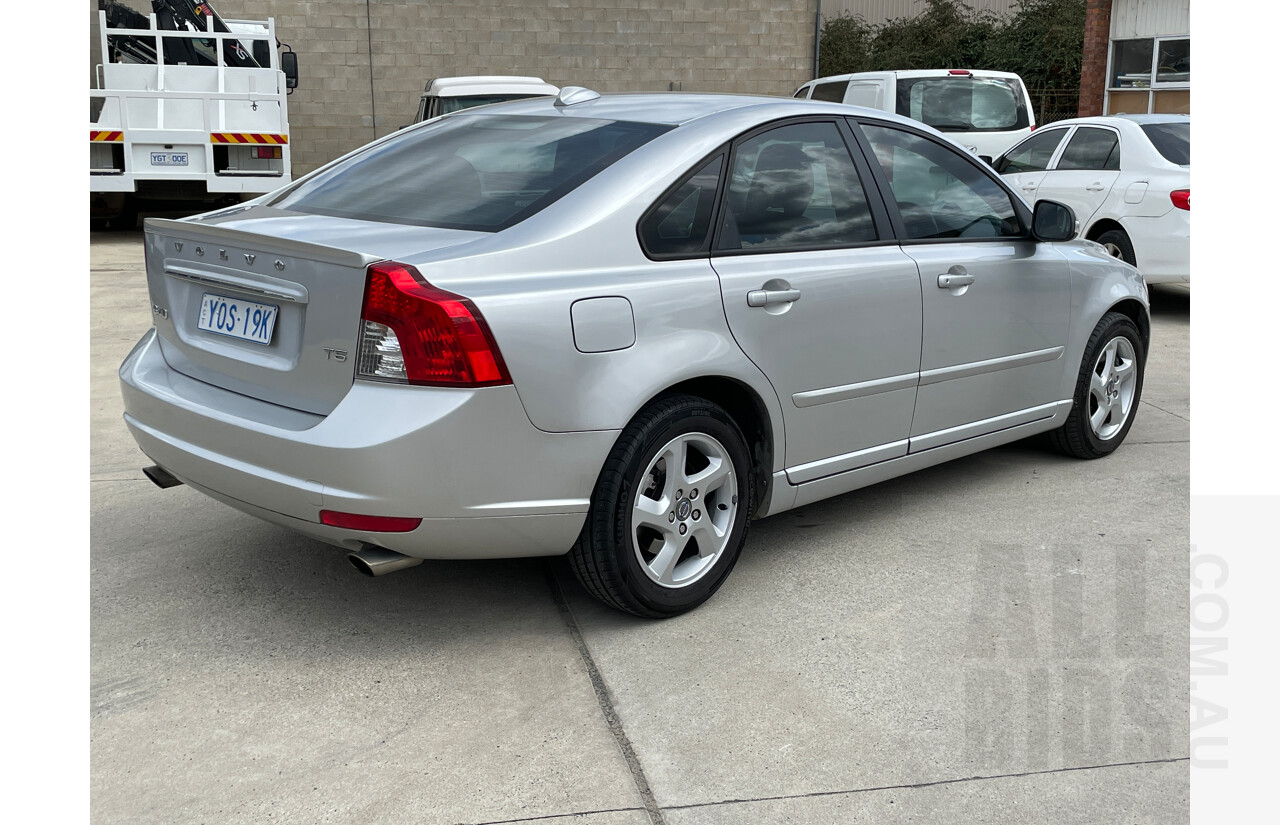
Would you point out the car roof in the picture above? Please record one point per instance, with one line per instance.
(675, 109)
(491, 84)
(910, 73)
(1117, 120)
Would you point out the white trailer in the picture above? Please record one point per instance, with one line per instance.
(181, 113)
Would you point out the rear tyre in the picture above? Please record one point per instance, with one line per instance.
(1107, 391)
(126, 220)
(669, 512)
(1118, 245)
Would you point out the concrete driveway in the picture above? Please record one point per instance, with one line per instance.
(1000, 639)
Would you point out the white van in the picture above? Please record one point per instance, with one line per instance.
(450, 94)
(985, 112)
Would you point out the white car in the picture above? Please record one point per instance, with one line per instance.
(986, 112)
(451, 94)
(1128, 179)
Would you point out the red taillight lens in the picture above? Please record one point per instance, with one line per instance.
(1181, 198)
(267, 152)
(414, 333)
(964, 72)
(376, 524)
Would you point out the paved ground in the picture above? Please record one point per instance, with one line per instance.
(1001, 639)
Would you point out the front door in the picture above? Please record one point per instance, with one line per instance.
(996, 303)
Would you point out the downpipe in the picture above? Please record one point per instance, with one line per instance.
(379, 561)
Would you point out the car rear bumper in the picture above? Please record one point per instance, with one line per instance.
(484, 480)
(1162, 246)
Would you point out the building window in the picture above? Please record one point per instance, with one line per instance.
(1150, 75)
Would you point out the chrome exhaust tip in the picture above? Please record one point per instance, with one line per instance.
(379, 561)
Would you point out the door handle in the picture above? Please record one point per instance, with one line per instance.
(1030, 187)
(1096, 186)
(952, 281)
(771, 297)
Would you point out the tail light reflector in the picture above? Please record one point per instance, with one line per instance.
(267, 152)
(1181, 198)
(413, 333)
(376, 524)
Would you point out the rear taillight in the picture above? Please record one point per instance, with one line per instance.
(267, 152)
(414, 333)
(964, 72)
(1181, 198)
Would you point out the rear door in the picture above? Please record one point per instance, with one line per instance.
(997, 305)
(819, 295)
(1024, 166)
(1085, 171)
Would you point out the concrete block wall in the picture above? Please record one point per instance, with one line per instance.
(364, 63)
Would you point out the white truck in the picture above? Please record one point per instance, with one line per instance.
(186, 107)
(451, 94)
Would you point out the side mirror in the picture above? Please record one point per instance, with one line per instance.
(1053, 221)
(289, 65)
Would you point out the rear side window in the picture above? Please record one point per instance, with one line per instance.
(961, 103)
(478, 172)
(680, 222)
(795, 187)
(1097, 149)
(830, 92)
(1172, 141)
(1033, 154)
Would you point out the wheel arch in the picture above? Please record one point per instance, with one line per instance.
(748, 410)
(1103, 225)
(1133, 309)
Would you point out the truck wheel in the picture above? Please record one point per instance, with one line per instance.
(127, 219)
(669, 513)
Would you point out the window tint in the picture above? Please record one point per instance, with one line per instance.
(795, 187)
(1172, 140)
(939, 192)
(1033, 154)
(1091, 149)
(679, 223)
(830, 92)
(482, 172)
(958, 103)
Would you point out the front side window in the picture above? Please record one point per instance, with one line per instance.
(1033, 154)
(470, 171)
(1091, 149)
(962, 103)
(940, 193)
(680, 222)
(795, 187)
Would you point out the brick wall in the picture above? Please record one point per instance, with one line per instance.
(1093, 69)
(364, 64)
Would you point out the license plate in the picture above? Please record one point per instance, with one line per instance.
(236, 318)
(168, 158)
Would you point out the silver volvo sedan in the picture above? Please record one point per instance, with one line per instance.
(620, 327)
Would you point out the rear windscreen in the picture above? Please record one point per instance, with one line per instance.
(960, 103)
(479, 172)
(1172, 140)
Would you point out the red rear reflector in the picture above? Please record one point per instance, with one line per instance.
(964, 72)
(1181, 198)
(377, 524)
(441, 338)
(267, 152)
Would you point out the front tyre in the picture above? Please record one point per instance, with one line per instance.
(1107, 390)
(669, 513)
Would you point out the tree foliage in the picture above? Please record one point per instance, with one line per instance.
(1041, 40)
